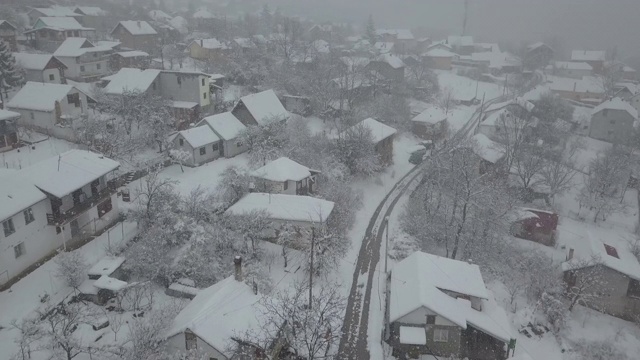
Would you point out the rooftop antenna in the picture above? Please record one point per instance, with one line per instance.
(464, 22)
(59, 159)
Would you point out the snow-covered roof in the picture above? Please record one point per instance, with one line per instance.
(226, 125)
(491, 320)
(588, 55)
(383, 47)
(203, 14)
(379, 131)
(400, 34)
(496, 60)
(33, 61)
(57, 11)
(519, 214)
(159, 15)
(488, 47)
(59, 23)
(132, 53)
(5, 23)
(138, 27)
(91, 10)
(130, 79)
(109, 283)
(210, 44)
(432, 115)
(106, 266)
(244, 43)
(610, 247)
(573, 65)
(487, 149)
(536, 45)
(284, 207)
(182, 104)
(39, 96)
(8, 115)
(77, 46)
(224, 310)
(455, 40)
(265, 107)
(180, 23)
(393, 61)
(16, 194)
(199, 136)
(438, 52)
(282, 169)
(321, 46)
(588, 84)
(616, 104)
(412, 335)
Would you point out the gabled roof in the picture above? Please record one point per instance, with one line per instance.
(265, 107)
(284, 207)
(16, 194)
(487, 149)
(400, 34)
(199, 136)
(538, 45)
(455, 40)
(438, 52)
(67, 11)
(588, 55)
(379, 131)
(36, 61)
(244, 43)
(5, 23)
(588, 84)
(224, 310)
(159, 15)
(39, 96)
(393, 61)
(90, 11)
(77, 46)
(132, 53)
(136, 27)
(226, 125)
(432, 115)
(383, 47)
(616, 104)
(130, 79)
(8, 115)
(59, 23)
(281, 170)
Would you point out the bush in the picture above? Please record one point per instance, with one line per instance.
(598, 350)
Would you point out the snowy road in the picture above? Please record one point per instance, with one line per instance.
(353, 344)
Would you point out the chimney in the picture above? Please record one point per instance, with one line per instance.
(255, 288)
(570, 254)
(201, 43)
(238, 265)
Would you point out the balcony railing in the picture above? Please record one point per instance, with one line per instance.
(66, 216)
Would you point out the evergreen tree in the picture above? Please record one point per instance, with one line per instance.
(370, 30)
(10, 75)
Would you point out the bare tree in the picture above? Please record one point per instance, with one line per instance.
(512, 132)
(528, 165)
(71, 267)
(58, 329)
(557, 173)
(29, 335)
(586, 282)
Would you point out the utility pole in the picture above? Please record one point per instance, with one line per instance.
(386, 248)
(313, 240)
(466, 12)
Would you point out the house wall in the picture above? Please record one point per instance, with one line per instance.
(8, 35)
(440, 63)
(231, 148)
(82, 67)
(635, 102)
(614, 126)
(451, 347)
(572, 73)
(147, 43)
(277, 187)
(39, 240)
(90, 223)
(177, 343)
(242, 113)
(196, 159)
(577, 96)
(385, 149)
(190, 88)
(49, 40)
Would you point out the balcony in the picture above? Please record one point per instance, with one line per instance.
(64, 217)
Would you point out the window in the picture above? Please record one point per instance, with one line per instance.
(81, 68)
(28, 216)
(204, 95)
(440, 335)
(634, 288)
(203, 150)
(431, 319)
(58, 229)
(74, 99)
(214, 147)
(286, 185)
(52, 77)
(95, 55)
(8, 227)
(19, 250)
(104, 207)
(153, 85)
(239, 143)
(181, 142)
(190, 341)
(31, 115)
(202, 82)
(179, 80)
(98, 66)
(611, 251)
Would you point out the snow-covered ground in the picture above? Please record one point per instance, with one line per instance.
(465, 88)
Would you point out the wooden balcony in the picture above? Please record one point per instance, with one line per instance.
(66, 216)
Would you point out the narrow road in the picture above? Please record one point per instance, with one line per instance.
(353, 344)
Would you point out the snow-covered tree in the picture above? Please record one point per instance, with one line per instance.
(264, 142)
(10, 75)
(586, 282)
(234, 184)
(253, 226)
(71, 267)
(355, 148)
(58, 326)
(558, 172)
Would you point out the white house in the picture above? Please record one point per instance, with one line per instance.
(85, 61)
(49, 32)
(41, 67)
(570, 69)
(216, 316)
(49, 108)
(284, 176)
(199, 145)
(228, 128)
(52, 203)
(441, 306)
(260, 109)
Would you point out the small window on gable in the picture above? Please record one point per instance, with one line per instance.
(52, 77)
(431, 319)
(203, 82)
(204, 95)
(611, 251)
(203, 150)
(215, 147)
(181, 142)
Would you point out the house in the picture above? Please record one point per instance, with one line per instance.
(199, 145)
(54, 203)
(382, 47)
(41, 67)
(159, 16)
(284, 176)
(93, 17)
(243, 46)
(228, 128)
(137, 35)
(438, 58)
(203, 19)
(85, 62)
(382, 136)
(535, 225)
(388, 66)
(492, 62)
(104, 280)
(260, 109)
(514, 117)
(53, 11)
(593, 252)
(304, 212)
(216, 316)
(462, 45)
(320, 32)
(538, 55)
(440, 306)
(180, 24)
(594, 58)
(613, 121)
(625, 90)
(489, 153)
(570, 69)
(9, 34)
(129, 59)
(403, 39)
(431, 124)
(49, 108)
(48, 33)
(589, 89)
(8, 129)
(208, 49)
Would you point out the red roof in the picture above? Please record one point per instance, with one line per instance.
(611, 251)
